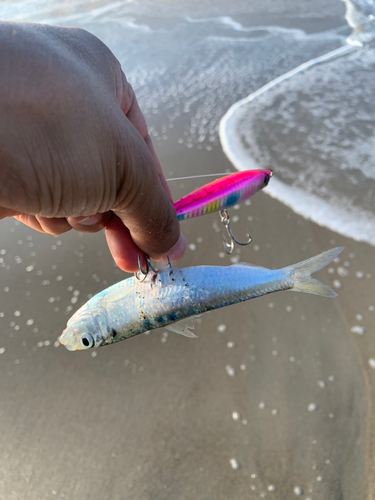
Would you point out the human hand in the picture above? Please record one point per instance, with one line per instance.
(74, 147)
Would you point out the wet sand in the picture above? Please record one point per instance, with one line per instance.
(153, 417)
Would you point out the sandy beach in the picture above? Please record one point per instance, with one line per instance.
(275, 399)
(153, 416)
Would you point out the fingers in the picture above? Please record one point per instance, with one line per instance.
(121, 245)
(120, 242)
(55, 226)
(6, 212)
(91, 224)
(125, 252)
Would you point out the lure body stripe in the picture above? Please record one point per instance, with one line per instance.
(222, 193)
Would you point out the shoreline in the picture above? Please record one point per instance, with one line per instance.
(303, 203)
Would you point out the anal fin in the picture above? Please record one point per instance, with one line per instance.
(183, 327)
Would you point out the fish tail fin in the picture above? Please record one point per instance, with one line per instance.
(302, 271)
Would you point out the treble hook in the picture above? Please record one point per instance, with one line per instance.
(225, 219)
(142, 273)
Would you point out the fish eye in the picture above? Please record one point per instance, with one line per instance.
(87, 340)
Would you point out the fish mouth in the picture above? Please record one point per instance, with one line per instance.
(69, 340)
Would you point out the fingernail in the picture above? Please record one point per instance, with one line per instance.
(177, 251)
(89, 221)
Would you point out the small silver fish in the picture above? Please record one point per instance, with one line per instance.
(131, 306)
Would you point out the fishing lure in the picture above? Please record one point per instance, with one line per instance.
(221, 194)
(131, 307)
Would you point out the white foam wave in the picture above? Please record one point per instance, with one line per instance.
(130, 23)
(225, 20)
(241, 39)
(358, 223)
(271, 30)
(74, 14)
(261, 33)
(229, 116)
(360, 15)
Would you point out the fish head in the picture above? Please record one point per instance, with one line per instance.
(86, 330)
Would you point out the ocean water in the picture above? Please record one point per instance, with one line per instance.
(315, 126)
(190, 67)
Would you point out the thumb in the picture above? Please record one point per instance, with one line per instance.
(145, 219)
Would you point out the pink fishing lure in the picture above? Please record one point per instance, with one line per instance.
(222, 193)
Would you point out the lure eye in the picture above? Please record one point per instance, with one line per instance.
(87, 340)
(266, 180)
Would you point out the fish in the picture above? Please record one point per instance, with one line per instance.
(222, 193)
(165, 299)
